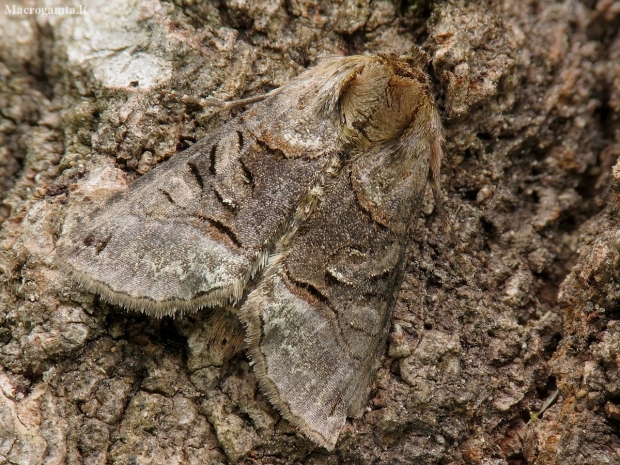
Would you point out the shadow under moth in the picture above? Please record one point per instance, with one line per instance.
(297, 214)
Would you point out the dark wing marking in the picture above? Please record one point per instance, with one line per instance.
(193, 231)
(318, 321)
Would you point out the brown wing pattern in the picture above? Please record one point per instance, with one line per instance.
(319, 319)
(310, 196)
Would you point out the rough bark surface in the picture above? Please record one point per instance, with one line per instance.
(512, 293)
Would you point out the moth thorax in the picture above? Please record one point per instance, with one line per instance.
(380, 106)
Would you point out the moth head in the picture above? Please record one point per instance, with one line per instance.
(384, 100)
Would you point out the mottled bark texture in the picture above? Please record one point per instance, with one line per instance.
(509, 294)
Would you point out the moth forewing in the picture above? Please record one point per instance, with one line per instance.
(317, 323)
(300, 208)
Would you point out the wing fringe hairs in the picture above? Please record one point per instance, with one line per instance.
(297, 212)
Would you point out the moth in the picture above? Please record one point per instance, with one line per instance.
(297, 213)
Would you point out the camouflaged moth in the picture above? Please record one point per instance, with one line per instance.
(297, 213)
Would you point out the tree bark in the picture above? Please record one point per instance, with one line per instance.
(511, 296)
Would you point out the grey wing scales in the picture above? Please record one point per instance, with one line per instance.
(315, 187)
(192, 231)
(318, 321)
